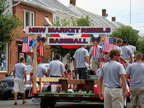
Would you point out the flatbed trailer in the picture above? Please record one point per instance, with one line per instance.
(49, 99)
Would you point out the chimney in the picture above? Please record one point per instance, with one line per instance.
(113, 19)
(104, 14)
(73, 2)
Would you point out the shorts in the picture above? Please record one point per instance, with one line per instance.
(113, 98)
(82, 72)
(95, 64)
(137, 96)
(19, 86)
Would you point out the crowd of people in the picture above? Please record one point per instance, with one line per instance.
(113, 68)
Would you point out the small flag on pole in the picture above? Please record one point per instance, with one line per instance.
(108, 44)
(94, 48)
(25, 45)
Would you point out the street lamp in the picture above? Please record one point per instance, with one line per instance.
(130, 12)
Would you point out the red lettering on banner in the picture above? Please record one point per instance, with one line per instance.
(83, 30)
(42, 30)
(108, 30)
(84, 41)
(37, 30)
(50, 29)
(51, 40)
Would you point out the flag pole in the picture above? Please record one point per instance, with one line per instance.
(35, 64)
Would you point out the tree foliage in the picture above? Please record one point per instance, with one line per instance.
(83, 21)
(126, 33)
(8, 23)
(140, 45)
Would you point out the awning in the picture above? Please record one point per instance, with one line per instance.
(47, 21)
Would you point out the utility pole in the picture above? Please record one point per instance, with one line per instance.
(130, 12)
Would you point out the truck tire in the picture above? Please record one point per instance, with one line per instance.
(47, 102)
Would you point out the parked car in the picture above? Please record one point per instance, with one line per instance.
(6, 85)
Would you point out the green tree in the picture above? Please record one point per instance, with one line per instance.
(140, 45)
(83, 21)
(8, 23)
(126, 33)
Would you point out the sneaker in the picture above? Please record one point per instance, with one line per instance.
(24, 102)
(15, 103)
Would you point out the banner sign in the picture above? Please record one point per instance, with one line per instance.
(68, 41)
(67, 30)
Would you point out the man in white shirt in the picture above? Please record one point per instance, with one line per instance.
(20, 80)
(56, 67)
(132, 48)
(81, 62)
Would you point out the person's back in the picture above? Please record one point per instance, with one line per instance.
(132, 49)
(19, 70)
(126, 52)
(41, 71)
(56, 68)
(79, 56)
(136, 70)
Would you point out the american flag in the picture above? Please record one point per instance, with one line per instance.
(25, 45)
(108, 44)
(94, 48)
(41, 48)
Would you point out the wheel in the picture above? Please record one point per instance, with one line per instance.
(47, 102)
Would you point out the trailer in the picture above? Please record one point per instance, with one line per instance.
(62, 93)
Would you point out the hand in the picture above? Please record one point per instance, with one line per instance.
(101, 96)
(126, 93)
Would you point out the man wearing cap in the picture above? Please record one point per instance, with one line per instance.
(126, 53)
(41, 71)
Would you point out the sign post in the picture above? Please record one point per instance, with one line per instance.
(35, 65)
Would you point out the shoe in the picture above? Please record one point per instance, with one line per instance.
(15, 103)
(24, 102)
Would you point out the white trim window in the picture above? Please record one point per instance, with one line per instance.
(28, 18)
(3, 57)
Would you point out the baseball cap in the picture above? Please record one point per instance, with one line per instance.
(39, 59)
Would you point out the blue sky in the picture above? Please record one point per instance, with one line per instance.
(118, 8)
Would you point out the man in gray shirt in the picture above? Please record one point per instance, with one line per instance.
(20, 80)
(81, 62)
(113, 74)
(56, 67)
(127, 55)
(136, 71)
(41, 71)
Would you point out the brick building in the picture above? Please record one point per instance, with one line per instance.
(30, 13)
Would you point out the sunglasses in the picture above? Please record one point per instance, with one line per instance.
(118, 55)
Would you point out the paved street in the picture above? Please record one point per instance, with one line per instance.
(9, 104)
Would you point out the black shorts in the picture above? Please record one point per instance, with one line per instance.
(82, 72)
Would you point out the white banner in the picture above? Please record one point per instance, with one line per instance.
(68, 41)
(67, 30)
